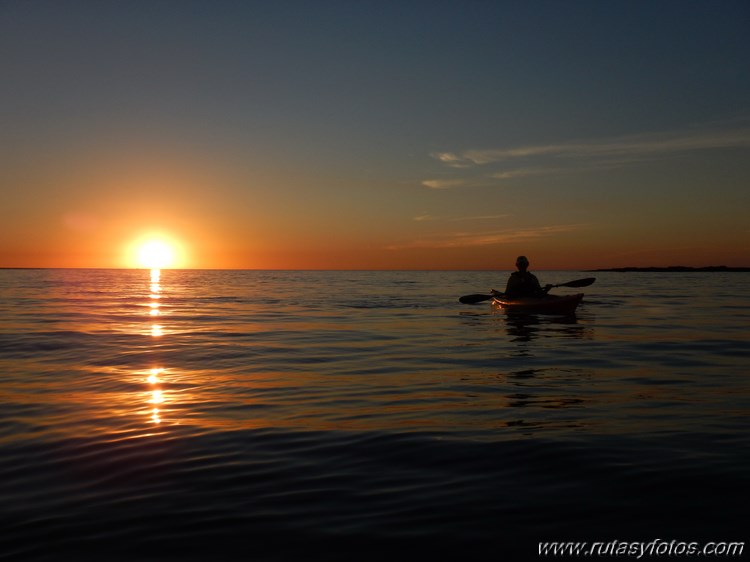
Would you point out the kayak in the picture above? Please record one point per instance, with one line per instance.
(549, 304)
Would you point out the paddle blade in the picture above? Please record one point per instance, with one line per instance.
(474, 299)
(578, 282)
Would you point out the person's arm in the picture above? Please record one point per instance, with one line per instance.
(544, 290)
(538, 288)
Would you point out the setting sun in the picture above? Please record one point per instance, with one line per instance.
(155, 252)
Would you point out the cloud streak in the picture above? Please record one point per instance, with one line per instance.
(474, 239)
(427, 217)
(522, 173)
(443, 184)
(631, 149)
(494, 166)
(479, 218)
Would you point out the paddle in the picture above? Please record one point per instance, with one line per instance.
(577, 283)
(473, 299)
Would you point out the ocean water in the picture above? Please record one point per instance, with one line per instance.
(251, 415)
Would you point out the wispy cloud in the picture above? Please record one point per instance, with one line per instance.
(450, 159)
(478, 218)
(443, 184)
(470, 239)
(522, 173)
(631, 149)
(485, 180)
(494, 166)
(427, 217)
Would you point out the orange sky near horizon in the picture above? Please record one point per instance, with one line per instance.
(218, 215)
(98, 220)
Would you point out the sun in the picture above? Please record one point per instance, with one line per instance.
(155, 252)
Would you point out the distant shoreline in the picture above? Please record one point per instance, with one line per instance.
(678, 269)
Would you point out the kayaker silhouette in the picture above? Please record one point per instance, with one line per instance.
(523, 283)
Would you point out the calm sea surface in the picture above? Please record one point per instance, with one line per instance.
(249, 415)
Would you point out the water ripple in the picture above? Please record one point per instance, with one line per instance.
(374, 418)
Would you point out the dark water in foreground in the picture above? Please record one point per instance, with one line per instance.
(234, 415)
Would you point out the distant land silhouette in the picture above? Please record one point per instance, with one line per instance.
(679, 269)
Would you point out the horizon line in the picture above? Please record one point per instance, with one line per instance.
(605, 269)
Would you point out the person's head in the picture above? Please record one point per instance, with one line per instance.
(522, 263)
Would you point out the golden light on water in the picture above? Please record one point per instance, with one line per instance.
(156, 395)
(154, 302)
(154, 254)
(153, 378)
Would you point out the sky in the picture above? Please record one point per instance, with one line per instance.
(381, 134)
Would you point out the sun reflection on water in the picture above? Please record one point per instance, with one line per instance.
(155, 394)
(153, 378)
(155, 297)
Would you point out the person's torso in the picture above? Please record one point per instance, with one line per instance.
(523, 283)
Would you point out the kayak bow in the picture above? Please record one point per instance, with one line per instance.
(550, 304)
